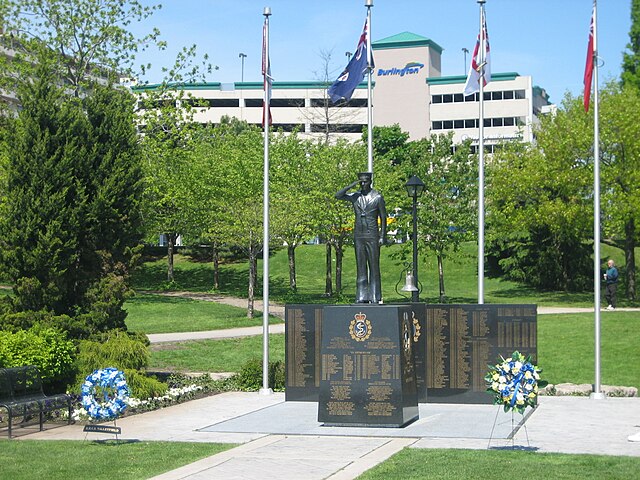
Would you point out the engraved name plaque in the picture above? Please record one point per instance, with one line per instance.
(367, 375)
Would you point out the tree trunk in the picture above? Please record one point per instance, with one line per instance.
(216, 265)
(171, 243)
(328, 278)
(441, 278)
(339, 256)
(291, 253)
(630, 257)
(253, 267)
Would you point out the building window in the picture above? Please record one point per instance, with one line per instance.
(338, 128)
(447, 124)
(496, 95)
(458, 124)
(447, 98)
(520, 95)
(436, 125)
(471, 123)
(507, 95)
(253, 102)
(436, 99)
(496, 122)
(509, 122)
(287, 102)
(458, 98)
(289, 127)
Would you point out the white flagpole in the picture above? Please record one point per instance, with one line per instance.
(369, 4)
(483, 41)
(265, 390)
(597, 393)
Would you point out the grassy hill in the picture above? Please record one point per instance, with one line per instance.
(460, 275)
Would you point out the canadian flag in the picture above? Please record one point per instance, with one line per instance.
(478, 63)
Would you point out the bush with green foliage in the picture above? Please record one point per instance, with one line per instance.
(46, 348)
(250, 376)
(124, 352)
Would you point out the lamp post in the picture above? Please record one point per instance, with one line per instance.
(242, 57)
(415, 187)
(465, 51)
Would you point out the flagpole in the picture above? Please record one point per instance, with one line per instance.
(369, 4)
(265, 390)
(481, 159)
(597, 393)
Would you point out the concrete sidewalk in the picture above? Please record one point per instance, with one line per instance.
(559, 424)
(279, 327)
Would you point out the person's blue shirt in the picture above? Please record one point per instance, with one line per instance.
(612, 275)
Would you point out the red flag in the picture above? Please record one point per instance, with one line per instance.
(588, 69)
(266, 73)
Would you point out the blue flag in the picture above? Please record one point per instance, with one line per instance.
(351, 77)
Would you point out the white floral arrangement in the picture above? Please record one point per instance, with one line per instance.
(514, 382)
(105, 394)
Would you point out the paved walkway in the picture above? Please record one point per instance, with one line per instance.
(559, 424)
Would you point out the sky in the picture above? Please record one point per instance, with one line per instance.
(546, 39)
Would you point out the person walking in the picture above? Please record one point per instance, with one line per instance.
(611, 279)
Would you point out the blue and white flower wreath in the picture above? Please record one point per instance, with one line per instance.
(514, 382)
(110, 384)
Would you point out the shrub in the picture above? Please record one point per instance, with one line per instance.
(46, 348)
(116, 349)
(250, 375)
(143, 386)
(119, 350)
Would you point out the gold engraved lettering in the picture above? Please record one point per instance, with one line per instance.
(340, 392)
(459, 359)
(347, 367)
(379, 409)
(436, 348)
(340, 408)
(379, 393)
(330, 366)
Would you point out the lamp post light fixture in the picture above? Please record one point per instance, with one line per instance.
(242, 57)
(465, 51)
(348, 55)
(415, 187)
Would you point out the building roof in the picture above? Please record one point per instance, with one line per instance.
(495, 77)
(405, 40)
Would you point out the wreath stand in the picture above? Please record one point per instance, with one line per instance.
(513, 427)
(108, 429)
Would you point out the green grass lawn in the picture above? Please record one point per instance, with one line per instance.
(440, 464)
(62, 459)
(227, 355)
(566, 348)
(159, 314)
(460, 276)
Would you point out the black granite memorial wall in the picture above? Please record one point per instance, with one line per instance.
(453, 345)
(367, 375)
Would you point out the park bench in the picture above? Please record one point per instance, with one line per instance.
(21, 395)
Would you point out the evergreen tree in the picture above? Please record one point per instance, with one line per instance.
(73, 184)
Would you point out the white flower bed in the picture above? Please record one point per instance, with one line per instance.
(172, 396)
